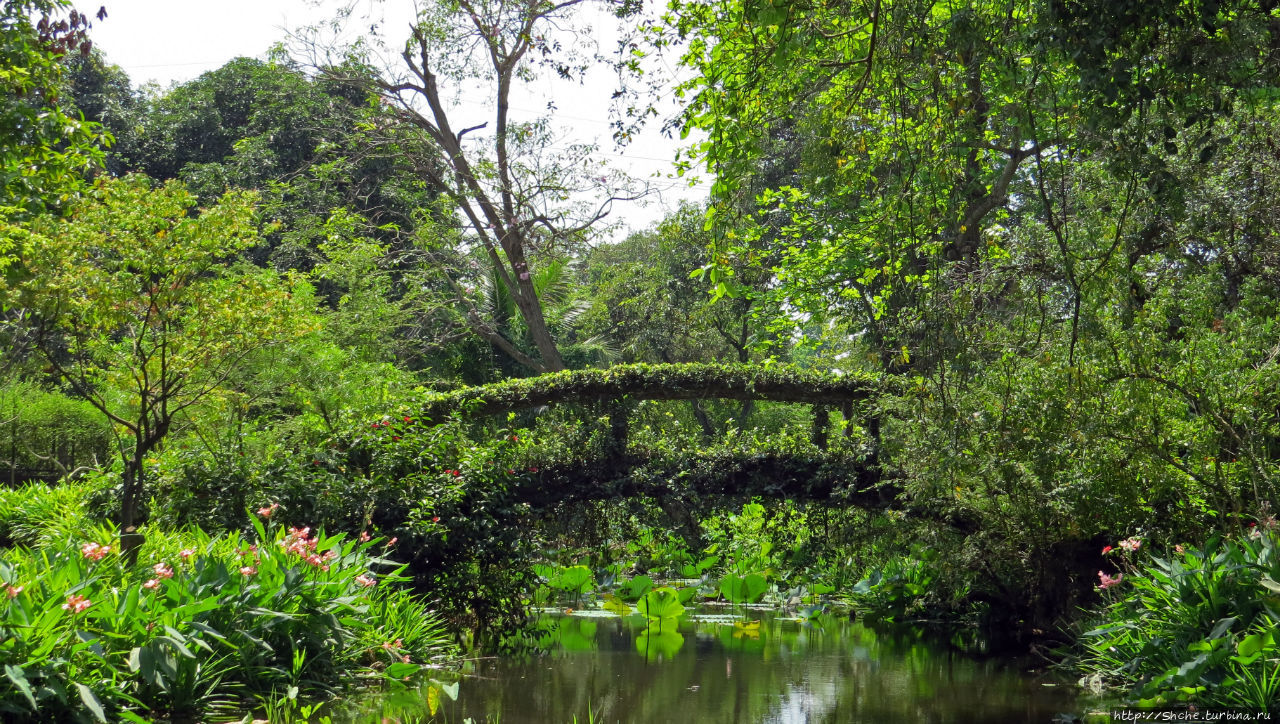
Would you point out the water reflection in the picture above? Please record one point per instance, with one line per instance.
(761, 668)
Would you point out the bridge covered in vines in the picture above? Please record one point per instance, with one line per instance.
(840, 462)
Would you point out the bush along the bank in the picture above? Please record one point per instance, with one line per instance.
(203, 626)
(1198, 626)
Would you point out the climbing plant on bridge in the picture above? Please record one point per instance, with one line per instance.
(656, 382)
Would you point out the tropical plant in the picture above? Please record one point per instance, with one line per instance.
(203, 624)
(743, 589)
(1197, 626)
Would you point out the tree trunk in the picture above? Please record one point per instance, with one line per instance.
(526, 298)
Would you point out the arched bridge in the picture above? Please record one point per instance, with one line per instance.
(843, 468)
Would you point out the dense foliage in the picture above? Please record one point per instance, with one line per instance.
(980, 289)
(1198, 625)
(199, 625)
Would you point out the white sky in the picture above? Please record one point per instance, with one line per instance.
(169, 41)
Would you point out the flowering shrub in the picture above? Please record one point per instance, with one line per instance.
(201, 625)
(1198, 626)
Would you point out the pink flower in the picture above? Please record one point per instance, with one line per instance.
(364, 536)
(391, 646)
(267, 511)
(13, 591)
(1131, 544)
(405, 658)
(186, 553)
(94, 552)
(1105, 581)
(392, 542)
(162, 570)
(248, 571)
(364, 580)
(76, 604)
(151, 585)
(298, 542)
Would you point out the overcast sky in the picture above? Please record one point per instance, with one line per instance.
(169, 41)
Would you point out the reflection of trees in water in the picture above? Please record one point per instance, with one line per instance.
(785, 672)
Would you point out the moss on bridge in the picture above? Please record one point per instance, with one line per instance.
(778, 383)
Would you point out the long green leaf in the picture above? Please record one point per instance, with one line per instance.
(19, 679)
(91, 702)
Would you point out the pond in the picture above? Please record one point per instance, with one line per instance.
(736, 665)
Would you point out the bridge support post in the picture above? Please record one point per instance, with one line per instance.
(821, 421)
(619, 426)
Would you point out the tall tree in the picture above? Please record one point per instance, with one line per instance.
(520, 198)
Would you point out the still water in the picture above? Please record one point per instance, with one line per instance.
(720, 665)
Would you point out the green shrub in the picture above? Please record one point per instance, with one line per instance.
(202, 625)
(1199, 626)
(49, 432)
(35, 514)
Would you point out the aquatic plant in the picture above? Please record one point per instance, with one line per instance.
(743, 589)
(1197, 626)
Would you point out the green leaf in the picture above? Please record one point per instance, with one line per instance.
(1254, 643)
(637, 587)
(616, 605)
(746, 589)
(19, 679)
(661, 603)
(1220, 629)
(91, 702)
(178, 646)
(400, 669)
(575, 579)
(732, 588)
